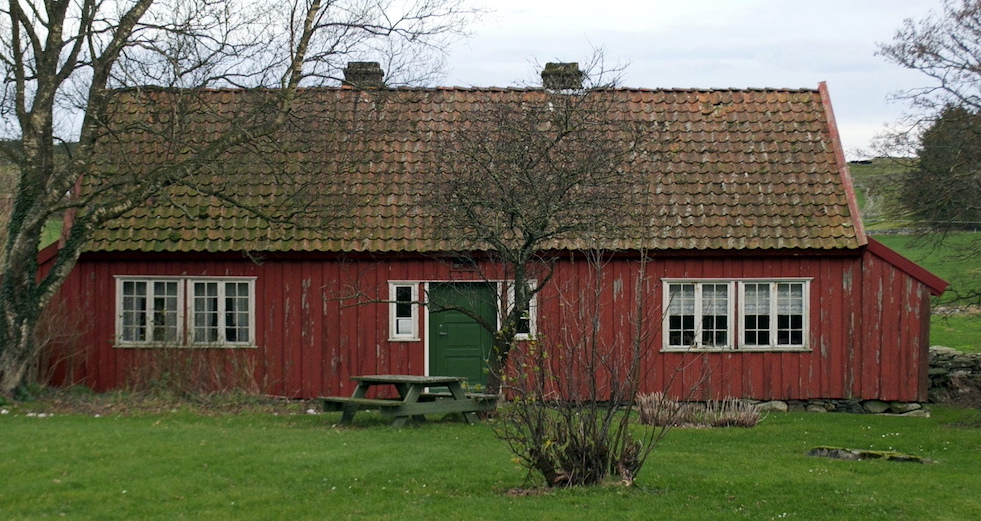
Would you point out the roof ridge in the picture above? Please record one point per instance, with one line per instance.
(328, 88)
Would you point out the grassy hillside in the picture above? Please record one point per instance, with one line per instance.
(875, 186)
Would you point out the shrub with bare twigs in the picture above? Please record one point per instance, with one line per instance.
(659, 410)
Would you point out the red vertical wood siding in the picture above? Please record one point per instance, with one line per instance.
(868, 323)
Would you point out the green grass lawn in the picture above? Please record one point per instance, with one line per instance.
(184, 465)
(962, 332)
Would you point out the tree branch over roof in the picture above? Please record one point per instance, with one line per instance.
(66, 61)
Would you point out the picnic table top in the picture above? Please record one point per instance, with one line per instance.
(407, 379)
(410, 404)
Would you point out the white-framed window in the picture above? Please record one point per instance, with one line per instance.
(698, 314)
(773, 313)
(749, 314)
(149, 311)
(177, 311)
(527, 326)
(221, 312)
(403, 310)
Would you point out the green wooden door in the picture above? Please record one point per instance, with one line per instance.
(458, 344)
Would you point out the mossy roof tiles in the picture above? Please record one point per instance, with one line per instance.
(731, 169)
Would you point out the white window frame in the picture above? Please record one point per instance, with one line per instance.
(774, 328)
(737, 315)
(222, 328)
(532, 310)
(698, 312)
(185, 312)
(150, 312)
(393, 319)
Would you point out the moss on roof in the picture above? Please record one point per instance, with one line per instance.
(731, 169)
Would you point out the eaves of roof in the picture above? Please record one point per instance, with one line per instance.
(935, 284)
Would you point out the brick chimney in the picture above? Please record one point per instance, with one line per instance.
(364, 75)
(562, 76)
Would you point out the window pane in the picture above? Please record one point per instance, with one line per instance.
(715, 330)
(403, 301)
(790, 314)
(756, 314)
(715, 299)
(681, 299)
(152, 311)
(790, 298)
(756, 330)
(523, 326)
(134, 312)
(205, 310)
(403, 326)
(237, 312)
(681, 330)
(164, 311)
(757, 299)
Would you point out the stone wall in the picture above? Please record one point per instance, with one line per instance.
(954, 376)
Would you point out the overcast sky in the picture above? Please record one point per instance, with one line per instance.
(707, 43)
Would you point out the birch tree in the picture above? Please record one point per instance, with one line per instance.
(62, 61)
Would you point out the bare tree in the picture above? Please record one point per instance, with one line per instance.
(939, 138)
(567, 420)
(528, 175)
(946, 47)
(65, 61)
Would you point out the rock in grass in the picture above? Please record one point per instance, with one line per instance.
(904, 407)
(875, 406)
(774, 405)
(859, 455)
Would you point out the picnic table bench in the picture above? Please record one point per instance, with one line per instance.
(414, 401)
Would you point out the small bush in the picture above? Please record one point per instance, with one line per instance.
(658, 410)
(81, 400)
(575, 441)
(194, 374)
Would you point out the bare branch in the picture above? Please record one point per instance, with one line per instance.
(70, 61)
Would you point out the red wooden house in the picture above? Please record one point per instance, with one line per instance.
(759, 270)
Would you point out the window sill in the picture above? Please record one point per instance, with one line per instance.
(163, 345)
(736, 350)
(404, 339)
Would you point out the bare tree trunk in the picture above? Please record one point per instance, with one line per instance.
(15, 358)
(60, 54)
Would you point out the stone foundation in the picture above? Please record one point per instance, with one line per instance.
(955, 377)
(855, 406)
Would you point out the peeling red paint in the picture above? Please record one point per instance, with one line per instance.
(869, 323)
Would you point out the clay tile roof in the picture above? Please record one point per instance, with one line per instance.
(732, 169)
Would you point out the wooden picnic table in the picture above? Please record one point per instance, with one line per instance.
(414, 401)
